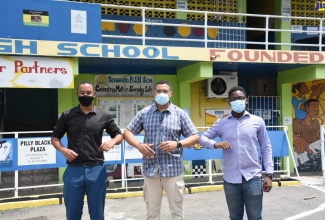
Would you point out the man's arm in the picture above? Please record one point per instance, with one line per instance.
(108, 145)
(69, 154)
(190, 141)
(144, 148)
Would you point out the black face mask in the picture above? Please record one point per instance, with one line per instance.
(85, 100)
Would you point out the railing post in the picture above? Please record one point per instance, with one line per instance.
(205, 30)
(16, 176)
(320, 34)
(210, 171)
(267, 18)
(322, 148)
(143, 26)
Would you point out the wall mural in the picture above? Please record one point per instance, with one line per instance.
(308, 101)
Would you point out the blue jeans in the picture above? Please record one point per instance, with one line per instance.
(248, 194)
(79, 181)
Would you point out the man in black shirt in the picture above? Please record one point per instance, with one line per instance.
(85, 174)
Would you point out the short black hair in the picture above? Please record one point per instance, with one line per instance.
(235, 88)
(165, 82)
(85, 82)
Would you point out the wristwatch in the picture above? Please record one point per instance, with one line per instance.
(179, 145)
(269, 175)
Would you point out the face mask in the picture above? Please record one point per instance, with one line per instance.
(85, 100)
(162, 99)
(238, 105)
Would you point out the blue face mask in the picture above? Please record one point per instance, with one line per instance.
(238, 105)
(162, 99)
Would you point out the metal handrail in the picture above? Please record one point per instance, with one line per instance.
(124, 180)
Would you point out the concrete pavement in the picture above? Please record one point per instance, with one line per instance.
(304, 199)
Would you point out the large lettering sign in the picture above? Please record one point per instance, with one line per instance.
(267, 56)
(36, 72)
(74, 49)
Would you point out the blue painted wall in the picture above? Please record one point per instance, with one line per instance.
(59, 28)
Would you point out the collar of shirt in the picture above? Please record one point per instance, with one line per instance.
(93, 110)
(245, 114)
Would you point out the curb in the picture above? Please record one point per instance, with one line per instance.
(29, 204)
(289, 183)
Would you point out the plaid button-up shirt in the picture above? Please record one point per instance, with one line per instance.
(158, 127)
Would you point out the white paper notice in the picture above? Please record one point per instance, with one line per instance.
(113, 154)
(33, 151)
(126, 113)
(78, 22)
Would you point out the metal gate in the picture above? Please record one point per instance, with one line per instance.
(268, 108)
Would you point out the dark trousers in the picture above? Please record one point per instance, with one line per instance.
(79, 181)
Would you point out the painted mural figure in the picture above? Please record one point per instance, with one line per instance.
(306, 136)
(299, 99)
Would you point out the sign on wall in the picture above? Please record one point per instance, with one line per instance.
(35, 151)
(123, 111)
(118, 85)
(36, 72)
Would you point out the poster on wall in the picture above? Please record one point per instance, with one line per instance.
(123, 86)
(308, 102)
(123, 111)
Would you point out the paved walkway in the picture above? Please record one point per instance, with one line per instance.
(289, 202)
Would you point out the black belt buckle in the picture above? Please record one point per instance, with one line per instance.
(88, 164)
(92, 164)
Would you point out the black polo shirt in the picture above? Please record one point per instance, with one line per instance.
(85, 132)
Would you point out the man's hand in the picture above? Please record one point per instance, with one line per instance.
(69, 154)
(224, 145)
(146, 150)
(106, 146)
(267, 184)
(301, 145)
(168, 146)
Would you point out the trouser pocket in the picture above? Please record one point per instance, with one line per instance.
(179, 191)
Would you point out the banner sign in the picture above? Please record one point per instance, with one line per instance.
(36, 72)
(112, 85)
(38, 153)
(75, 49)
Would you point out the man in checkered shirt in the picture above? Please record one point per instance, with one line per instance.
(163, 123)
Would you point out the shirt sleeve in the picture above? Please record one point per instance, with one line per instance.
(188, 127)
(207, 138)
(60, 127)
(112, 129)
(136, 124)
(266, 149)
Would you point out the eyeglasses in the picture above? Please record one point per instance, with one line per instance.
(231, 99)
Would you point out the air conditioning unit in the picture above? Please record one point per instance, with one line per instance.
(219, 85)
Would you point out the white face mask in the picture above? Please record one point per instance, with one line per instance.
(162, 99)
(238, 105)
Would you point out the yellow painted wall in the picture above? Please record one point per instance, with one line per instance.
(199, 103)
